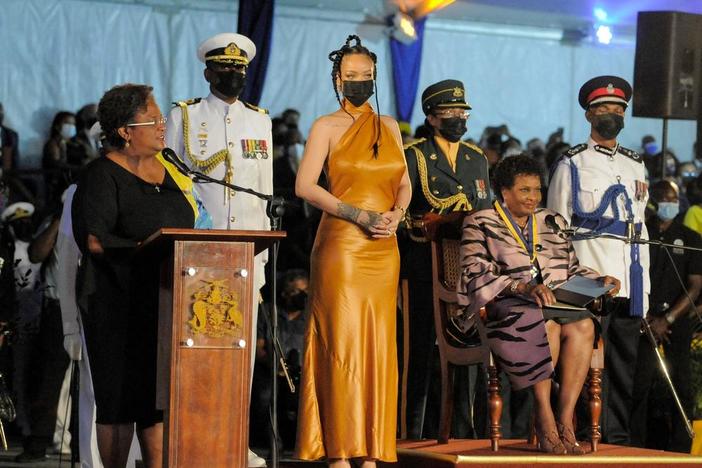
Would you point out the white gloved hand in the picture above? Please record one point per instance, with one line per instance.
(73, 346)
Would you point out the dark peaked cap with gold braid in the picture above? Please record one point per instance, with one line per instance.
(447, 93)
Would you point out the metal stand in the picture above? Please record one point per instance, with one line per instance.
(72, 400)
(275, 211)
(645, 327)
(664, 147)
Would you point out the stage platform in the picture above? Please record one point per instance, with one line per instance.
(460, 453)
(517, 453)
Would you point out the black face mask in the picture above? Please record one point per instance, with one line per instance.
(90, 122)
(453, 128)
(22, 230)
(357, 92)
(230, 83)
(609, 125)
(297, 301)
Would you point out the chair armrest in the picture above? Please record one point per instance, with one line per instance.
(446, 295)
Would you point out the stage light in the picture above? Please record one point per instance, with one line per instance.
(403, 28)
(428, 6)
(600, 14)
(604, 34)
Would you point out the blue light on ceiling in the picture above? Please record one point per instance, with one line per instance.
(600, 14)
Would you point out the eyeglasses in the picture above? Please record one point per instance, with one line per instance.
(445, 114)
(159, 121)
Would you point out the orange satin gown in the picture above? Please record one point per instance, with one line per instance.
(348, 400)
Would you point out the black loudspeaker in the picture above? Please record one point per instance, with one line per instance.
(667, 69)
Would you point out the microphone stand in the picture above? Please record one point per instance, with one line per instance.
(275, 209)
(645, 326)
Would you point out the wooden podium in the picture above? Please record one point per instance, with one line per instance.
(206, 298)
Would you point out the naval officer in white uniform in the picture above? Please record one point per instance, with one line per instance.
(230, 140)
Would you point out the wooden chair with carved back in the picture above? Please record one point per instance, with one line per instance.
(446, 272)
(453, 350)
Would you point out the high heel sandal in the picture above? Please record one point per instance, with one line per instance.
(550, 443)
(569, 441)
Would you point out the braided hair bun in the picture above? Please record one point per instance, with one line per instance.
(336, 56)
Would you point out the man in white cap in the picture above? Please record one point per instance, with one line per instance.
(230, 140)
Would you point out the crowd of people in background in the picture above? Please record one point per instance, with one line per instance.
(31, 205)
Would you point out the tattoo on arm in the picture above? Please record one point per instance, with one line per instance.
(373, 219)
(348, 212)
(364, 218)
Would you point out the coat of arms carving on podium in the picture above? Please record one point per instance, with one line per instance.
(215, 311)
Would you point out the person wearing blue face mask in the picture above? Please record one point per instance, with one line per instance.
(57, 171)
(671, 321)
(649, 146)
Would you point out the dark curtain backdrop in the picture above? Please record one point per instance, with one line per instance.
(256, 22)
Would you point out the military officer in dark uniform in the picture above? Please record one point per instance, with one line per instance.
(447, 175)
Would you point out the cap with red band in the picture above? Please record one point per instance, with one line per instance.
(605, 90)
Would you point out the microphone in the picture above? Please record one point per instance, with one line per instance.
(552, 224)
(631, 234)
(171, 156)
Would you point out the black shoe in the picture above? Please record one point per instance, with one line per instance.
(29, 457)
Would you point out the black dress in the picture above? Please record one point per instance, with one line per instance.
(118, 291)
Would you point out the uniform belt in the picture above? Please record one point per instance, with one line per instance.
(604, 225)
(416, 230)
(416, 223)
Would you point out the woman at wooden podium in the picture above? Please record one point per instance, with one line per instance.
(512, 255)
(348, 400)
(122, 198)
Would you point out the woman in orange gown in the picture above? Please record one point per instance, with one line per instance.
(348, 401)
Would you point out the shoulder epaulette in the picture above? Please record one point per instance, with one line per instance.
(575, 150)
(260, 110)
(187, 102)
(472, 146)
(416, 142)
(630, 154)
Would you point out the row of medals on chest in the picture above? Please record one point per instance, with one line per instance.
(250, 148)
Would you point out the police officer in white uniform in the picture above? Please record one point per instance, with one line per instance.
(230, 140)
(599, 187)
